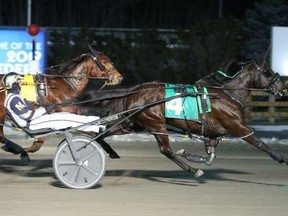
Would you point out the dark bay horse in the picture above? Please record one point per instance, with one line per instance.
(69, 80)
(227, 114)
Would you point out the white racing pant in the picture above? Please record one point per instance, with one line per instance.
(64, 120)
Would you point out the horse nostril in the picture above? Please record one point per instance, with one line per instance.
(120, 77)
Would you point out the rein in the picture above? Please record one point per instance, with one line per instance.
(74, 103)
(224, 88)
(218, 87)
(72, 77)
(238, 89)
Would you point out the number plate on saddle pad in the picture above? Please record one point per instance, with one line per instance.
(187, 107)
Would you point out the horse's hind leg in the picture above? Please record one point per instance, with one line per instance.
(107, 148)
(165, 149)
(10, 146)
(14, 148)
(36, 145)
(210, 146)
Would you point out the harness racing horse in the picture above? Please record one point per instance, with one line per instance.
(72, 79)
(226, 116)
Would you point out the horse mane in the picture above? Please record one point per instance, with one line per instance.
(230, 69)
(131, 89)
(67, 67)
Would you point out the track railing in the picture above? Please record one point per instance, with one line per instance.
(263, 107)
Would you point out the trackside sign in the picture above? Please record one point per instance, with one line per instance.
(280, 50)
(16, 50)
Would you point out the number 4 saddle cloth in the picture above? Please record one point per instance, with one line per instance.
(189, 106)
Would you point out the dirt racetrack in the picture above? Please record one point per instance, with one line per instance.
(241, 182)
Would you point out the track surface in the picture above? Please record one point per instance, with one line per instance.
(242, 181)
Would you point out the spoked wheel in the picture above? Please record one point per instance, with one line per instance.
(86, 170)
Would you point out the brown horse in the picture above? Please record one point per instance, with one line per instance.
(69, 80)
(226, 116)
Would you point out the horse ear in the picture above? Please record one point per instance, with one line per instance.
(257, 59)
(93, 52)
(256, 64)
(266, 54)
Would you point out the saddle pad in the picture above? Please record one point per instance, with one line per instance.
(188, 107)
(28, 91)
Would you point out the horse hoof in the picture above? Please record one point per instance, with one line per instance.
(180, 152)
(198, 173)
(25, 157)
(114, 156)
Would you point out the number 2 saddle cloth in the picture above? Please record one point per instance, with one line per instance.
(187, 107)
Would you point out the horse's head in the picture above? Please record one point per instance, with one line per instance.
(104, 66)
(271, 80)
(250, 75)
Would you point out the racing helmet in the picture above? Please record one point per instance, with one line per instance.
(10, 78)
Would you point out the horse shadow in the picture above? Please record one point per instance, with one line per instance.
(35, 168)
(179, 177)
(44, 168)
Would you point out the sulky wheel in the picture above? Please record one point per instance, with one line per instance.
(84, 172)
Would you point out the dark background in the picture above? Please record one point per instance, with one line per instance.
(166, 40)
(120, 13)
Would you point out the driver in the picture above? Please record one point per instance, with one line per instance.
(22, 113)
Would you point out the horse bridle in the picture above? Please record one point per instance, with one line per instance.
(94, 55)
(98, 63)
(274, 77)
(271, 78)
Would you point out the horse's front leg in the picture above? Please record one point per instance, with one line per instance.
(165, 149)
(210, 146)
(256, 142)
(248, 136)
(36, 145)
